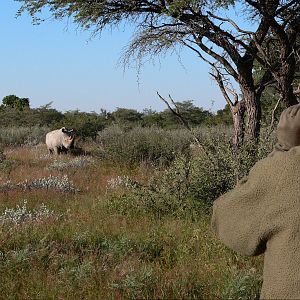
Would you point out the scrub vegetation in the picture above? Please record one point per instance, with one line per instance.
(128, 217)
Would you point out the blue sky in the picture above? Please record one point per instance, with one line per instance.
(57, 62)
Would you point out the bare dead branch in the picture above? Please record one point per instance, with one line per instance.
(220, 83)
(177, 113)
(195, 50)
(271, 127)
(220, 59)
(234, 94)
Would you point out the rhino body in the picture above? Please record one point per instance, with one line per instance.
(59, 140)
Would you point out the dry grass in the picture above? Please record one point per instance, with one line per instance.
(89, 251)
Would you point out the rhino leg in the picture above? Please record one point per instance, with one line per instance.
(50, 151)
(63, 150)
(56, 150)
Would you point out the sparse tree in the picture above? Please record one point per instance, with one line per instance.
(12, 101)
(192, 114)
(204, 27)
(125, 115)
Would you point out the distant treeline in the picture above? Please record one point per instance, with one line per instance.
(16, 111)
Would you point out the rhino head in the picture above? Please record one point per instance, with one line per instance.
(68, 138)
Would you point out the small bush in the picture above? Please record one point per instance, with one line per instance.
(60, 184)
(118, 182)
(7, 166)
(167, 193)
(76, 163)
(21, 214)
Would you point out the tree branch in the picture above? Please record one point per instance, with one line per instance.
(220, 83)
(219, 58)
(271, 127)
(231, 22)
(283, 8)
(177, 113)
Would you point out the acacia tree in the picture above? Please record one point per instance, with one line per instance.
(203, 27)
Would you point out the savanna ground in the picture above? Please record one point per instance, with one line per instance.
(91, 227)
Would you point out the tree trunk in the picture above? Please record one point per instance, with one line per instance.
(238, 116)
(285, 79)
(253, 111)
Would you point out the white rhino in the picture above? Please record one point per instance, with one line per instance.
(59, 140)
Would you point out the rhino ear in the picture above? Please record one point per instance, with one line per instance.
(63, 129)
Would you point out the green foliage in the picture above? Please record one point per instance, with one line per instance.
(153, 145)
(165, 194)
(17, 136)
(10, 117)
(2, 155)
(132, 285)
(223, 116)
(244, 286)
(153, 118)
(195, 116)
(268, 102)
(86, 125)
(44, 116)
(12, 101)
(7, 166)
(223, 3)
(124, 116)
(190, 184)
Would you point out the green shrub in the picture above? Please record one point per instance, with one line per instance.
(55, 183)
(7, 166)
(2, 155)
(86, 125)
(43, 116)
(135, 284)
(245, 285)
(154, 145)
(191, 183)
(17, 136)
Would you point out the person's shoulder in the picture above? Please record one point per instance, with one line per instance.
(290, 156)
(278, 161)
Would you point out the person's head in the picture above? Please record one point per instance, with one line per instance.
(288, 129)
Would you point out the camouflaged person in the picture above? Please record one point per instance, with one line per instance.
(262, 213)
